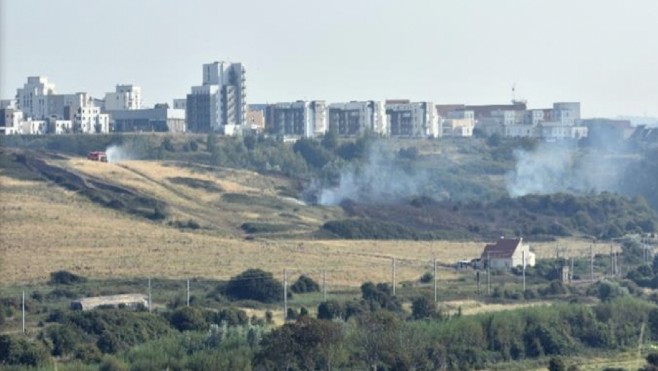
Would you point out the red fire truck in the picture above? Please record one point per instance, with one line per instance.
(97, 156)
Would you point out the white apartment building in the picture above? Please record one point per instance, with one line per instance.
(412, 119)
(566, 113)
(458, 127)
(297, 119)
(40, 104)
(220, 104)
(7, 103)
(356, 118)
(10, 121)
(60, 126)
(90, 120)
(558, 131)
(125, 97)
(32, 97)
(32, 127)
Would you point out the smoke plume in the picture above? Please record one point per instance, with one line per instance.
(563, 167)
(124, 152)
(379, 179)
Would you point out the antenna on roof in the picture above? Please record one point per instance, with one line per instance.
(513, 93)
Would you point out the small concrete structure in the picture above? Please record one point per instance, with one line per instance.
(128, 300)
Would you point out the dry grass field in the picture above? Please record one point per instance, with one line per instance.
(45, 228)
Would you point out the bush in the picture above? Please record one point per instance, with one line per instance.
(112, 364)
(329, 310)
(16, 350)
(304, 284)
(65, 278)
(255, 284)
(423, 307)
(426, 278)
(188, 319)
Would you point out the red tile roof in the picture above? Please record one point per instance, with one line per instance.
(504, 248)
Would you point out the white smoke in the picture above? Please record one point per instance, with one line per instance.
(380, 179)
(562, 167)
(118, 153)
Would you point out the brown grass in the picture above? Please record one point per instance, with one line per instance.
(45, 228)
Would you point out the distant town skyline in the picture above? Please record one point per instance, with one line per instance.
(601, 53)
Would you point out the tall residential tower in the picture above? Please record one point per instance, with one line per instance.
(220, 104)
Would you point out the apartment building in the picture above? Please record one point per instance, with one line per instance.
(297, 119)
(220, 103)
(125, 97)
(412, 119)
(356, 118)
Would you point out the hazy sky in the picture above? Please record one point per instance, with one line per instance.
(603, 53)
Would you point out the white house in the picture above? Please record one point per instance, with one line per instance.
(507, 253)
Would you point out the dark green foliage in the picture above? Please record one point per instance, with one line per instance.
(556, 364)
(64, 339)
(112, 364)
(607, 291)
(380, 296)
(541, 217)
(17, 350)
(373, 229)
(114, 329)
(330, 309)
(423, 307)
(255, 284)
(304, 284)
(427, 277)
(87, 353)
(315, 155)
(254, 227)
(306, 345)
(330, 139)
(65, 278)
(168, 145)
(652, 363)
(188, 318)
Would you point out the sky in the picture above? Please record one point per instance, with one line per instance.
(603, 53)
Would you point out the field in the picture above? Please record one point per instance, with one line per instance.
(46, 228)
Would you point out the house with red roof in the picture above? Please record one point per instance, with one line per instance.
(507, 253)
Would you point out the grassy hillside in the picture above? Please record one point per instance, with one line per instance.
(47, 227)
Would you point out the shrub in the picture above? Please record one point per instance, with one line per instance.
(65, 278)
(304, 284)
(329, 310)
(112, 364)
(255, 284)
(188, 318)
(423, 307)
(427, 277)
(19, 351)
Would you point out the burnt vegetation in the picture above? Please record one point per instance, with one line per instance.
(602, 216)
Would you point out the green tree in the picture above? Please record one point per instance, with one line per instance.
(255, 284)
(304, 284)
(423, 307)
(329, 310)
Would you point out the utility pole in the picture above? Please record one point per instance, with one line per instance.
(393, 276)
(488, 273)
(612, 262)
(523, 254)
(591, 263)
(149, 294)
(571, 271)
(188, 292)
(285, 295)
(324, 285)
(477, 280)
(435, 279)
(23, 310)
